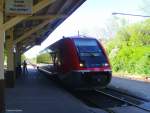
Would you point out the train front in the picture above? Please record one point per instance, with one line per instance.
(93, 69)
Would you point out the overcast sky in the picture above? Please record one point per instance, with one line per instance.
(89, 19)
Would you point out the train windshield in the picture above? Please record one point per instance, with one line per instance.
(90, 52)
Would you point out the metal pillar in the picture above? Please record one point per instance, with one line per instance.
(19, 58)
(18, 62)
(18, 52)
(10, 76)
(2, 36)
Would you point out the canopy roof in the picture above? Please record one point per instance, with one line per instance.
(30, 30)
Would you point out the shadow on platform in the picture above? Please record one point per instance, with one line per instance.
(34, 93)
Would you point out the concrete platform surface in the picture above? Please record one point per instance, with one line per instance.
(133, 87)
(34, 93)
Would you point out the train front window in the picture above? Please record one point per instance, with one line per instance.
(90, 52)
(87, 45)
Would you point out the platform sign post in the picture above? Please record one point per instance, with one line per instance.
(2, 36)
(17, 7)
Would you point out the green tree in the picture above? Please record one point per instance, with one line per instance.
(23, 57)
(129, 51)
(44, 58)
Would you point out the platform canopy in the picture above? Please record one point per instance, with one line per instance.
(33, 20)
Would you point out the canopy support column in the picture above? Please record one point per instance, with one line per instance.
(2, 85)
(10, 74)
(18, 62)
(2, 37)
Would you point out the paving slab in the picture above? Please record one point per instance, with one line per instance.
(34, 93)
(133, 87)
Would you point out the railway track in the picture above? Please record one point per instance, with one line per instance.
(132, 101)
(107, 99)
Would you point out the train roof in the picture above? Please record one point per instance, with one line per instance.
(57, 43)
(80, 37)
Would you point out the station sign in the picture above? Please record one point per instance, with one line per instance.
(18, 6)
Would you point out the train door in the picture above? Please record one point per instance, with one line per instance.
(56, 60)
(64, 60)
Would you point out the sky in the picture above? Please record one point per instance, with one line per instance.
(89, 19)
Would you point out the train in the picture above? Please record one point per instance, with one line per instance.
(80, 62)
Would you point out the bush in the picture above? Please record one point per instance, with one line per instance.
(44, 58)
(132, 45)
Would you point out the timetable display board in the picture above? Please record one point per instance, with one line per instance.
(18, 6)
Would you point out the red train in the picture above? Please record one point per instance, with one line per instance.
(81, 62)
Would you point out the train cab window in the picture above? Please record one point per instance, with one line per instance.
(90, 52)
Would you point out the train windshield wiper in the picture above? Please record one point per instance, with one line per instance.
(93, 54)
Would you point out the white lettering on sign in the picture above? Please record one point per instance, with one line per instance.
(19, 6)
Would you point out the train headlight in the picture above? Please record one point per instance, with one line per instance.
(105, 64)
(81, 64)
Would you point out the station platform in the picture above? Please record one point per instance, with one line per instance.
(34, 93)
